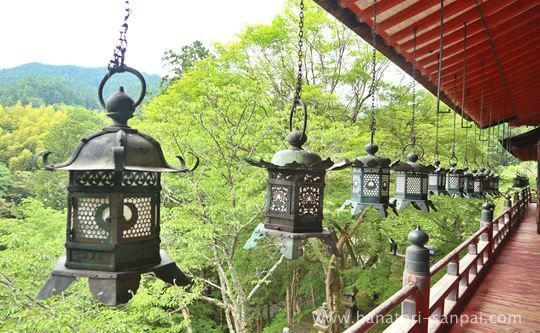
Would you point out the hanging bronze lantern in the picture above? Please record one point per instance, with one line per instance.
(520, 181)
(370, 182)
(412, 183)
(437, 180)
(294, 207)
(114, 207)
(485, 181)
(455, 180)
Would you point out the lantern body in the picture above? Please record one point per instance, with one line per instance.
(370, 182)
(412, 184)
(113, 220)
(295, 200)
(437, 180)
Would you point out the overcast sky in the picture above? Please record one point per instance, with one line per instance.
(77, 32)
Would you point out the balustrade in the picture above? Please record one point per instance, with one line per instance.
(423, 305)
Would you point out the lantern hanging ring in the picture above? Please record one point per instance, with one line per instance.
(415, 145)
(453, 159)
(122, 69)
(298, 103)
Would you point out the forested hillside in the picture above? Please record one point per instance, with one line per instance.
(224, 106)
(40, 84)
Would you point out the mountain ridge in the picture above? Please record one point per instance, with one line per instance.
(37, 83)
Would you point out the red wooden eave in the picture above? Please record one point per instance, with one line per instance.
(504, 34)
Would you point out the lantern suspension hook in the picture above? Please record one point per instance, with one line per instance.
(372, 123)
(439, 64)
(474, 161)
(119, 54)
(480, 136)
(464, 86)
(297, 100)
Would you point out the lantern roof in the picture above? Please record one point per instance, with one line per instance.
(117, 147)
(438, 167)
(295, 157)
(371, 160)
(411, 165)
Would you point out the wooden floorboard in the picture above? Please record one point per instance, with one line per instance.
(511, 287)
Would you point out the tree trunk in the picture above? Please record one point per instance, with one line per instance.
(185, 313)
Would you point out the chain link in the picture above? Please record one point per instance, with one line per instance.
(373, 123)
(119, 54)
(413, 134)
(299, 77)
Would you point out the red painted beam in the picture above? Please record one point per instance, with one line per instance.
(456, 47)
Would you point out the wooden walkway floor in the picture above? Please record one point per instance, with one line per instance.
(510, 288)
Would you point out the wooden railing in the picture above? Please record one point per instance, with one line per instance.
(424, 305)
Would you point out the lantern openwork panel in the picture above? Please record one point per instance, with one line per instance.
(370, 185)
(295, 200)
(113, 220)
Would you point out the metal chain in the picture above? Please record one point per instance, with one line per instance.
(373, 124)
(439, 75)
(413, 135)
(455, 116)
(299, 77)
(119, 54)
(475, 142)
(481, 103)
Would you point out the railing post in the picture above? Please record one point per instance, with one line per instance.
(473, 251)
(453, 270)
(417, 272)
(487, 219)
(507, 209)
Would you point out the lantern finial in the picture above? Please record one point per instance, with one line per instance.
(371, 148)
(296, 139)
(120, 107)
